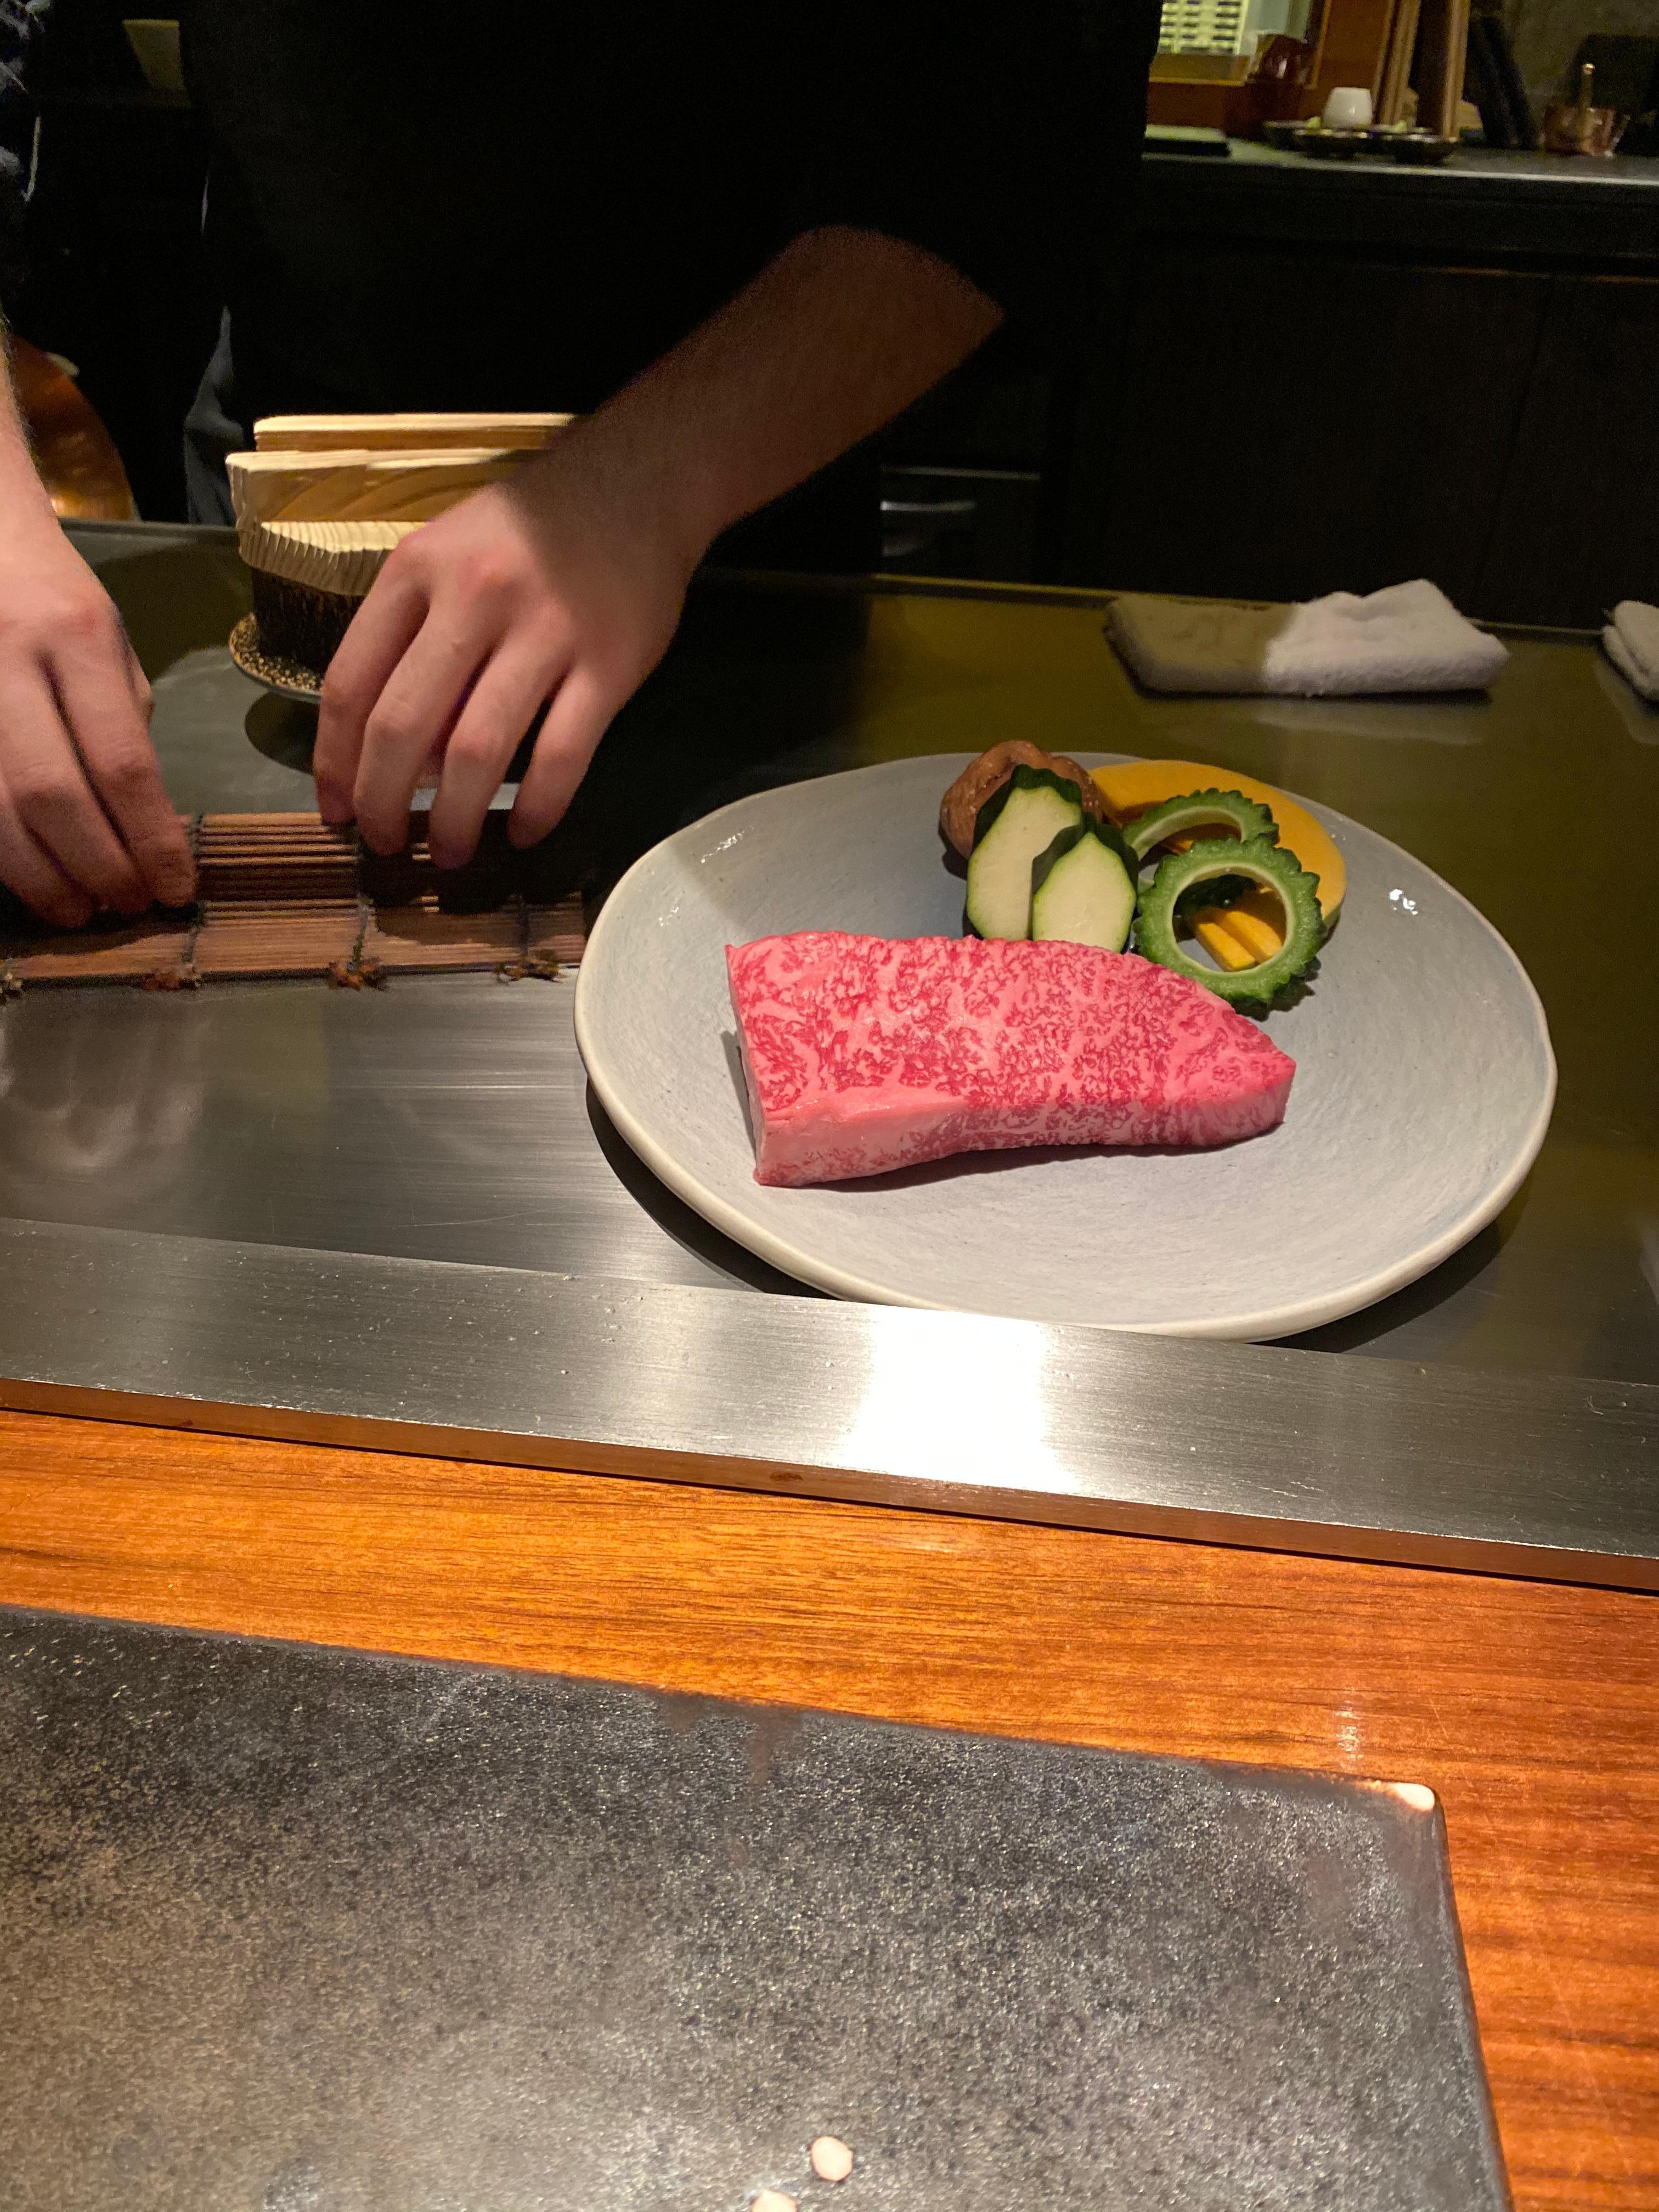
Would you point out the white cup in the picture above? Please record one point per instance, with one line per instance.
(1348, 109)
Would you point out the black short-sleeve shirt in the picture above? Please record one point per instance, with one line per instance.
(520, 204)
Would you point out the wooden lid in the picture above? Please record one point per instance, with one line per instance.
(322, 433)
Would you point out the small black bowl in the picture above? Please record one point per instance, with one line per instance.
(1421, 149)
(1318, 143)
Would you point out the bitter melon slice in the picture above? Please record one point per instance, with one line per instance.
(1130, 787)
(1267, 865)
(1198, 809)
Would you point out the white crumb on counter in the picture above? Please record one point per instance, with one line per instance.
(772, 2200)
(832, 2158)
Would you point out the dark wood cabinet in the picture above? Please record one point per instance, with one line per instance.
(1578, 525)
(1295, 423)
(1311, 381)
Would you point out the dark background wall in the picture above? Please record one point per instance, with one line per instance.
(1311, 378)
(1545, 34)
(1309, 419)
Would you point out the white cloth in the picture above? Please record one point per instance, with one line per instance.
(1631, 639)
(1407, 638)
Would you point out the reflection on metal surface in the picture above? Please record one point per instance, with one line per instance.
(981, 1416)
(1149, 1435)
(113, 1108)
(445, 1118)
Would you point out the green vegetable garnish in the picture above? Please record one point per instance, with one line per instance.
(1171, 816)
(1083, 888)
(1015, 825)
(1261, 863)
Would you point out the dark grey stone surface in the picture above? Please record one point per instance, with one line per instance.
(285, 1930)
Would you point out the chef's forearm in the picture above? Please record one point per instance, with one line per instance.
(832, 340)
(23, 497)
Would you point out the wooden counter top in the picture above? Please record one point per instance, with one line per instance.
(1532, 1708)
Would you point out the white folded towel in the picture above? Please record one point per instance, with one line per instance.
(1407, 638)
(1631, 639)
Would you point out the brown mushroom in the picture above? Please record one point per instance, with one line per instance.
(959, 808)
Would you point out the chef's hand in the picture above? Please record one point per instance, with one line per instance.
(564, 586)
(85, 821)
(561, 589)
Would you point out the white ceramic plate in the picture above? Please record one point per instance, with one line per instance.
(1423, 1090)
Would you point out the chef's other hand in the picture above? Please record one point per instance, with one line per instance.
(560, 588)
(85, 822)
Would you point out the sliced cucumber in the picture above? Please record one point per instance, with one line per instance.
(1200, 809)
(1015, 824)
(1083, 888)
(1274, 869)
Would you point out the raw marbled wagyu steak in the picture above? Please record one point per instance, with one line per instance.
(864, 1054)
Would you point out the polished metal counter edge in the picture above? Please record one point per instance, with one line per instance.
(1550, 1477)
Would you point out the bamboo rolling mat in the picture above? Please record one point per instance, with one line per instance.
(285, 894)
